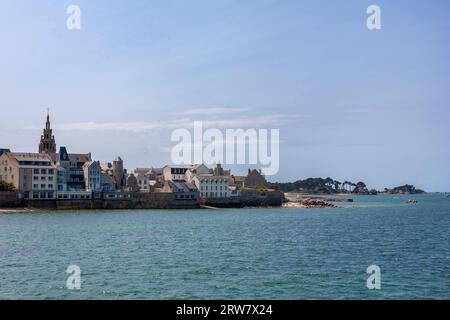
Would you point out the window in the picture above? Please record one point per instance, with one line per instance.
(43, 178)
(43, 171)
(42, 186)
(50, 178)
(50, 186)
(51, 171)
(36, 171)
(35, 178)
(35, 186)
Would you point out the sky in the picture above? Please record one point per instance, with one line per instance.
(350, 103)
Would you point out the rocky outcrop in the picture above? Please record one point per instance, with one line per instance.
(309, 203)
(406, 189)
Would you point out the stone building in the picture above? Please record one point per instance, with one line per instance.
(117, 173)
(253, 179)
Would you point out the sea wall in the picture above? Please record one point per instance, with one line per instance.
(10, 199)
(223, 202)
(147, 200)
(269, 198)
(157, 200)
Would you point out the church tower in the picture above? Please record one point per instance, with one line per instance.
(47, 144)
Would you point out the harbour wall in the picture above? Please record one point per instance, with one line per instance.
(157, 200)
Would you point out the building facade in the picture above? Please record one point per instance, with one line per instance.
(211, 186)
(92, 176)
(32, 174)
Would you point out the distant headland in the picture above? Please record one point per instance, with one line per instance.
(329, 186)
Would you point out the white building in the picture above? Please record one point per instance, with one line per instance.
(211, 186)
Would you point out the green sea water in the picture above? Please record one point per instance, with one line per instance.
(233, 253)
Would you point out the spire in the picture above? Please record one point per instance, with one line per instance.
(47, 124)
(47, 143)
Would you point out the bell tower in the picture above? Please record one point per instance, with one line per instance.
(47, 143)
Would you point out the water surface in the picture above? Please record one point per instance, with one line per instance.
(233, 253)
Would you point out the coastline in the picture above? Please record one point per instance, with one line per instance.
(17, 210)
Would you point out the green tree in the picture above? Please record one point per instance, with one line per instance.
(6, 186)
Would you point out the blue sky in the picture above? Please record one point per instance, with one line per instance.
(350, 103)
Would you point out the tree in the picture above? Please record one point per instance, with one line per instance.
(6, 186)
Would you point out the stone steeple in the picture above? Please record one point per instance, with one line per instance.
(47, 144)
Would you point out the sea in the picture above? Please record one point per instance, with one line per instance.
(263, 253)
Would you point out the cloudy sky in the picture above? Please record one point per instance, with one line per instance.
(350, 103)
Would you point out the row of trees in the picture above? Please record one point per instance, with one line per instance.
(321, 185)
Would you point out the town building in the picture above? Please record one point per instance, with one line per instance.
(117, 172)
(253, 179)
(72, 166)
(211, 186)
(32, 174)
(210, 183)
(143, 176)
(92, 175)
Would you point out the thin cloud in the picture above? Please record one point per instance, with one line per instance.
(361, 110)
(212, 111)
(269, 121)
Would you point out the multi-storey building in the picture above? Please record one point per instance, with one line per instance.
(210, 183)
(92, 175)
(33, 174)
(143, 176)
(72, 166)
(211, 186)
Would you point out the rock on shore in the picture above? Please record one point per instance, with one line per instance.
(308, 203)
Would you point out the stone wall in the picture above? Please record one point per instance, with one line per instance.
(10, 199)
(270, 198)
(222, 202)
(150, 200)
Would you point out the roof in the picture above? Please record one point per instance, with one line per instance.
(185, 166)
(78, 157)
(210, 176)
(30, 156)
(239, 178)
(89, 163)
(157, 170)
(183, 186)
(2, 151)
(196, 166)
(141, 170)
